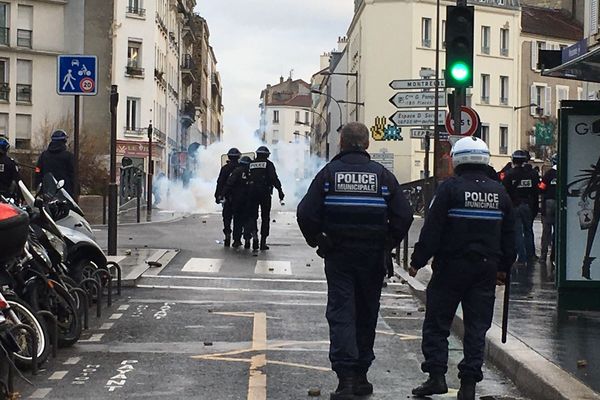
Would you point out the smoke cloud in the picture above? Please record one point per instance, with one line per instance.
(295, 168)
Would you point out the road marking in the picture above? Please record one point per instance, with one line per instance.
(257, 382)
(58, 375)
(124, 307)
(268, 267)
(94, 338)
(115, 316)
(223, 278)
(72, 361)
(404, 318)
(116, 259)
(106, 326)
(402, 336)
(40, 393)
(203, 265)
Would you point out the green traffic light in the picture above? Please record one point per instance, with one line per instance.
(460, 71)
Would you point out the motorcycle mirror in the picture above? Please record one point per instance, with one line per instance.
(61, 184)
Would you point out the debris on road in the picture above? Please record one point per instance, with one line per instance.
(582, 364)
(314, 392)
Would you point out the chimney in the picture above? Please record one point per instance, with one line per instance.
(281, 79)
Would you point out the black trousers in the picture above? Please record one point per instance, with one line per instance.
(244, 222)
(354, 282)
(227, 216)
(472, 284)
(263, 201)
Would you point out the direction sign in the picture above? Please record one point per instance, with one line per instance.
(469, 122)
(416, 99)
(416, 118)
(416, 84)
(420, 133)
(77, 75)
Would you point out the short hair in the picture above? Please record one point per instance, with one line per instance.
(354, 136)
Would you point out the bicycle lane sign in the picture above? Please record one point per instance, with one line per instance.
(77, 75)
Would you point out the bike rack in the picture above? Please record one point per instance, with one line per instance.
(83, 296)
(31, 334)
(117, 267)
(47, 315)
(106, 274)
(99, 290)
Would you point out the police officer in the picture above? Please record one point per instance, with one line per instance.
(264, 179)
(237, 189)
(548, 189)
(233, 156)
(469, 231)
(58, 161)
(9, 172)
(521, 183)
(354, 211)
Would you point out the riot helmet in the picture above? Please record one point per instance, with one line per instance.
(233, 153)
(520, 156)
(4, 144)
(245, 160)
(263, 151)
(59, 136)
(470, 150)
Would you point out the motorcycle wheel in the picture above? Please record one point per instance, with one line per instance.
(28, 317)
(82, 269)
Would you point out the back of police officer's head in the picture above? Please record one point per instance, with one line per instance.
(354, 136)
(470, 153)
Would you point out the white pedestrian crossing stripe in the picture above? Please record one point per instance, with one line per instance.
(203, 265)
(267, 267)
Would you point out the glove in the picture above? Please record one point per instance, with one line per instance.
(324, 244)
(281, 195)
(218, 199)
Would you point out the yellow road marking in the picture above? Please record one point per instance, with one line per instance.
(288, 364)
(257, 382)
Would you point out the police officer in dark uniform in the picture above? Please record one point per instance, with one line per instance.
(9, 172)
(469, 231)
(264, 179)
(354, 212)
(548, 189)
(237, 189)
(58, 161)
(234, 156)
(521, 183)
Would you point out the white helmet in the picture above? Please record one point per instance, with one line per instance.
(470, 150)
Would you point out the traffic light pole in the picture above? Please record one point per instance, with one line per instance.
(112, 186)
(459, 102)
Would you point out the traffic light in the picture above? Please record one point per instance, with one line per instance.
(459, 46)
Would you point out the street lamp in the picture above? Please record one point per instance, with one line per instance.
(336, 102)
(537, 108)
(355, 75)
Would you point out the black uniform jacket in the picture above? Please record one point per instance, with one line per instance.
(311, 210)
(264, 176)
(471, 217)
(226, 170)
(58, 161)
(9, 173)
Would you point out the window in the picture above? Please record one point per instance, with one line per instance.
(134, 58)
(579, 93)
(4, 124)
(504, 90)
(541, 96)
(4, 24)
(306, 118)
(504, 37)
(133, 114)
(275, 136)
(485, 88)
(4, 86)
(426, 32)
(562, 93)
(504, 140)
(536, 46)
(23, 132)
(136, 7)
(24, 76)
(25, 26)
(297, 120)
(276, 116)
(485, 134)
(485, 39)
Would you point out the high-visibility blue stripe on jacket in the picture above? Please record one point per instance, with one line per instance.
(471, 213)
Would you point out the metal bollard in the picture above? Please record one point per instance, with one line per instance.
(83, 297)
(48, 316)
(32, 336)
(99, 290)
(119, 274)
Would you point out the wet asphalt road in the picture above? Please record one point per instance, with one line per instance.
(222, 324)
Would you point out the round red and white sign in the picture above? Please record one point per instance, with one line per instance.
(87, 85)
(469, 122)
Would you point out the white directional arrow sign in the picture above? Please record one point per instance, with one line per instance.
(416, 99)
(417, 118)
(416, 84)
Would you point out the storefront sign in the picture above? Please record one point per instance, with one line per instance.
(137, 149)
(544, 134)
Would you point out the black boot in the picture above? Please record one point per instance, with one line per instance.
(436, 384)
(467, 391)
(362, 386)
(263, 243)
(236, 244)
(255, 243)
(345, 390)
(247, 243)
(227, 241)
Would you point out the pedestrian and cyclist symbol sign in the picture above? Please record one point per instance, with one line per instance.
(77, 75)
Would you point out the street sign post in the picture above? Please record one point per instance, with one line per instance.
(416, 84)
(416, 118)
(416, 99)
(77, 75)
(469, 123)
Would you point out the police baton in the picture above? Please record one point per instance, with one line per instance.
(505, 306)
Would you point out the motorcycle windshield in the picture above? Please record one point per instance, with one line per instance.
(51, 188)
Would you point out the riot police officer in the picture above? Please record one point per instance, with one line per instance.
(469, 231)
(9, 172)
(548, 189)
(354, 211)
(521, 183)
(264, 179)
(233, 156)
(58, 161)
(237, 189)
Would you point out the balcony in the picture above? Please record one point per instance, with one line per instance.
(133, 69)
(135, 132)
(136, 11)
(161, 23)
(4, 36)
(215, 82)
(24, 38)
(4, 91)
(23, 93)
(187, 69)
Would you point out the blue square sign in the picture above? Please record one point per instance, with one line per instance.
(77, 75)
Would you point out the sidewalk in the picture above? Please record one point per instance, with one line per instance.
(551, 353)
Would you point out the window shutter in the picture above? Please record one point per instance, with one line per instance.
(548, 102)
(534, 55)
(532, 100)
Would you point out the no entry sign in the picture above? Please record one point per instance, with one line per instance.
(469, 122)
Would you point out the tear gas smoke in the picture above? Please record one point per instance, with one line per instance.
(295, 168)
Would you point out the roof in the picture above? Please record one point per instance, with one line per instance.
(549, 22)
(301, 100)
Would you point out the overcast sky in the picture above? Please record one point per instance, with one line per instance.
(257, 41)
